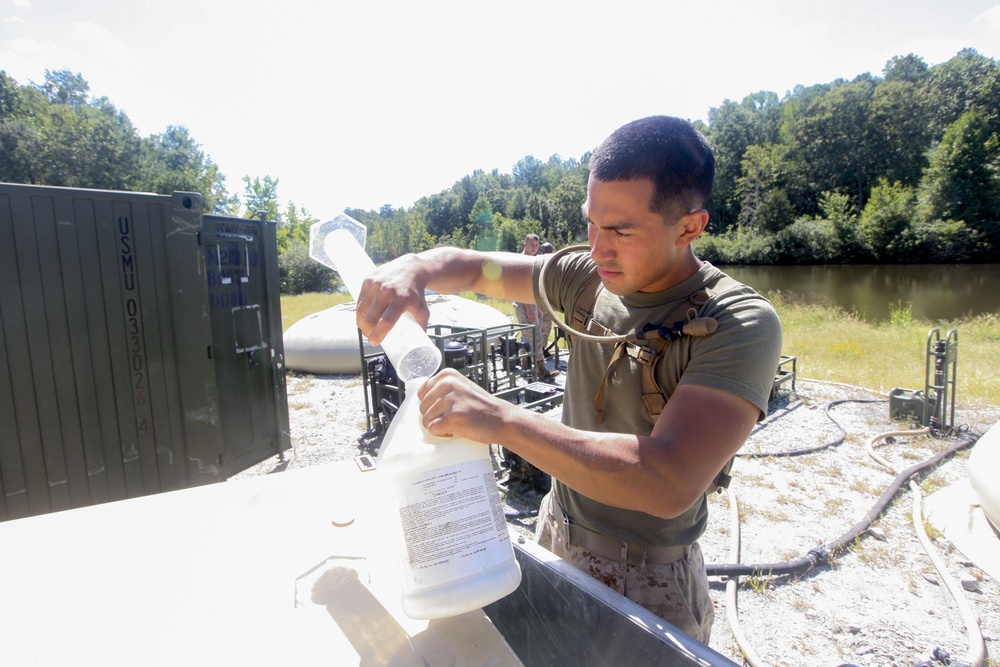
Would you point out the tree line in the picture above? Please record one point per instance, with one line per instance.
(902, 167)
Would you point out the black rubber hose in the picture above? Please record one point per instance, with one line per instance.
(832, 443)
(821, 555)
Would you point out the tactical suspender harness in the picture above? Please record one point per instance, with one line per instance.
(684, 320)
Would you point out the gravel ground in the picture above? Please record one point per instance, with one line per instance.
(878, 602)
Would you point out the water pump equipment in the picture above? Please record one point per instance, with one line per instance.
(935, 405)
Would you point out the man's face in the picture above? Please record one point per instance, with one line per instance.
(530, 246)
(635, 249)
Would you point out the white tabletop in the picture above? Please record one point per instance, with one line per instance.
(245, 572)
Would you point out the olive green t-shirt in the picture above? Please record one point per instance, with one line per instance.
(740, 357)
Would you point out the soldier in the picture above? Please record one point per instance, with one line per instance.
(630, 473)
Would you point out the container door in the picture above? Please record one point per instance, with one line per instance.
(241, 262)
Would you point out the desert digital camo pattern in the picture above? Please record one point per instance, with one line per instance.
(676, 592)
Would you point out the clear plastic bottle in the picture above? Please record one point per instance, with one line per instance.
(339, 244)
(458, 554)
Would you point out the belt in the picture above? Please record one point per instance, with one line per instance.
(620, 550)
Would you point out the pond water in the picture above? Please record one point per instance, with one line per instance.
(933, 291)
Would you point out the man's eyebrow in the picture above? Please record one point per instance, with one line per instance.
(613, 226)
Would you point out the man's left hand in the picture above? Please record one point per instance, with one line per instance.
(452, 404)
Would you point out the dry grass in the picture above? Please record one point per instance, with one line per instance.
(295, 307)
(837, 346)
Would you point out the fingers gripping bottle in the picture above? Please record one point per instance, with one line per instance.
(456, 553)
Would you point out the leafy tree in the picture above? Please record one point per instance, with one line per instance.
(807, 241)
(734, 127)
(52, 135)
(293, 227)
(898, 131)
(955, 86)
(940, 241)
(298, 272)
(837, 209)
(730, 133)
(761, 173)
(508, 235)
(909, 68)
(20, 144)
(566, 201)
(962, 181)
(64, 87)
(260, 197)
(886, 217)
(829, 138)
(528, 172)
(11, 98)
(468, 195)
(481, 213)
(775, 211)
(174, 161)
(517, 205)
(441, 212)
(737, 246)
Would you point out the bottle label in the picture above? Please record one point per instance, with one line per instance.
(453, 523)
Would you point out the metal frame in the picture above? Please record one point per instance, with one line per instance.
(490, 363)
(942, 365)
(783, 374)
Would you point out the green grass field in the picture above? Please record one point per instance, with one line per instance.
(834, 345)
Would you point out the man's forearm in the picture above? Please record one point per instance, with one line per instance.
(662, 474)
(450, 270)
(497, 274)
(398, 286)
(617, 469)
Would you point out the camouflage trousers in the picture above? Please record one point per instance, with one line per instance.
(677, 591)
(538, 337)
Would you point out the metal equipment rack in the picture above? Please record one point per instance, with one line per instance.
(492, 357)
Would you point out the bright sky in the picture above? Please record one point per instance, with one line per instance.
(368, 103)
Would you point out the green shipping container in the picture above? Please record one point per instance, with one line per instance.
(140, 346)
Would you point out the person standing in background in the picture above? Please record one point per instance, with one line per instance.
(528, 313)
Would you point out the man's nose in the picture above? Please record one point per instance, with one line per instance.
(600, 248)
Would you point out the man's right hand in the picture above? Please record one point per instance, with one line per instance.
(398, 286)
(393, 288)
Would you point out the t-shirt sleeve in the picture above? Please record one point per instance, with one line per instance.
(564, 279)
(742, 355)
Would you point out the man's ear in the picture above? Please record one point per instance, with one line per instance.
(691, 226)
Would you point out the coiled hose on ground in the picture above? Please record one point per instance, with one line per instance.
(977, 647)
(831, 443)
(822, 554)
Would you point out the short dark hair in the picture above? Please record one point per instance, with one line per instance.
(668, 151)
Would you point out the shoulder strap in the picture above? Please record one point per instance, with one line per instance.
(653, 396)
(581, 312)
